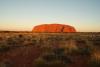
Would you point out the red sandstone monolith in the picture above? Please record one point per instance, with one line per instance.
(53, 28)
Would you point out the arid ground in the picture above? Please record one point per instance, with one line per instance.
(27, 49)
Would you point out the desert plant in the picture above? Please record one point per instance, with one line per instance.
(11, 41)
(49, 57)
(85, 51)
(5, 64)
(20, 36)
(56, 63)
(42, 63)
(57, 54)
(4, 48)
(94, 63)
(59, 51)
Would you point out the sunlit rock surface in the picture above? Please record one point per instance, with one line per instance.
(53, 28)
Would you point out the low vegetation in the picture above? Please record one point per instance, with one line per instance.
(50, 50)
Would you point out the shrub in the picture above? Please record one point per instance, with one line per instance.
(49, 57)
(20, 36)
(11, 41)
(94, 63)
(56, 63)
(59, 51)
(4, 48)
(6, 63)
(85, 51)
(42, 63)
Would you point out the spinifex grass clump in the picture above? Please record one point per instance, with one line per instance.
(94, 62)
(63, 56)
(4, 48)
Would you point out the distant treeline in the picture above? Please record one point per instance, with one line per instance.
(15, 31)
(47, 32)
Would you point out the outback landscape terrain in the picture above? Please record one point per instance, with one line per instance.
(28, 49)
(49, 33)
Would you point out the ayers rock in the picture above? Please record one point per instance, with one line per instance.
(53, 28)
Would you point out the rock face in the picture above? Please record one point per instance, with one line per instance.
(53, 28)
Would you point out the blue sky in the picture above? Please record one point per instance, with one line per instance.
(84, 15)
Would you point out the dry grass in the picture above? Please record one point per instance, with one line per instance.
(23, 49)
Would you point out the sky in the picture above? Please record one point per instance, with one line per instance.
(23, 15)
